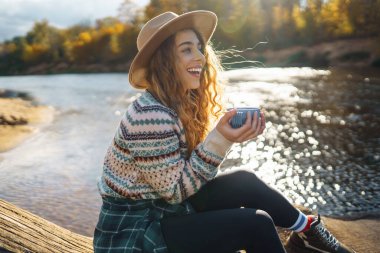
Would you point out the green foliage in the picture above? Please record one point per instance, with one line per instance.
(376, 63)
(320, 61)
(242, 24)
(298, 58)
(354, 56)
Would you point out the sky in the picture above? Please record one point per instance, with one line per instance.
(18, 16)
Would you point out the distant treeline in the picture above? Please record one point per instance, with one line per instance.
(242, 24)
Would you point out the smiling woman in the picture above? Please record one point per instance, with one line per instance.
(189, 58)
(177, 77)
(159, 186)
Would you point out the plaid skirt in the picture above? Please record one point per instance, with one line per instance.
(131, 226)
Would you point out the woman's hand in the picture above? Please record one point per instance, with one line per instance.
(252, 127)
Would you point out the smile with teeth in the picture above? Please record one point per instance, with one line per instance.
(195, 71)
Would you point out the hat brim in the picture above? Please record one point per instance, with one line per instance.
(204, 22)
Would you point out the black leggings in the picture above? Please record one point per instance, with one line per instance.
(221, 225)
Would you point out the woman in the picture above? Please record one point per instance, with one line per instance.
(159, 186)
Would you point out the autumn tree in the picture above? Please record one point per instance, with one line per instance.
(242, 25)
(43, 43)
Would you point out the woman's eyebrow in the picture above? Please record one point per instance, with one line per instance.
(185, 43)
(188, 43)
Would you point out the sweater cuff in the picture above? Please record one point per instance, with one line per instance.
(216, 143)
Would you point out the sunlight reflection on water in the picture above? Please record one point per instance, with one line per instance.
(321, 147)
(289, 155)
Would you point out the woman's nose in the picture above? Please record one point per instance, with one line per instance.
(200, 56)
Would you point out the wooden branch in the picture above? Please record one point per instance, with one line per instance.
(22, 231)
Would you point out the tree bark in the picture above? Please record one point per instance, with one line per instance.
(22, 231)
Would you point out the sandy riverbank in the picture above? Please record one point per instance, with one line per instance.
(19, 119)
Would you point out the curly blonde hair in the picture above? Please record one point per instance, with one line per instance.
(196, 108)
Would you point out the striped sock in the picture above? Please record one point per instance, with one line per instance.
(302, 223)
(310, 219)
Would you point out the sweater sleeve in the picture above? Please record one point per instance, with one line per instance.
(154, 143)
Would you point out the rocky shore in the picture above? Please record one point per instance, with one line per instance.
(20, 117)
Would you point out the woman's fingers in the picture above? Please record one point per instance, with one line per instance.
(228, 116)
(225, 128)
(257, 128)
(238, 133)
(263, 123)
(253, 126)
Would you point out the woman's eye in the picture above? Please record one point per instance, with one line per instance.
(189, 50)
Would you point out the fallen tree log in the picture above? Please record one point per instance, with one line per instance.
(22, 231)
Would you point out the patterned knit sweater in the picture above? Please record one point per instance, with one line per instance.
(147, 157)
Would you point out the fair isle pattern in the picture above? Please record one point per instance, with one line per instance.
(146, 159)
(146, 177)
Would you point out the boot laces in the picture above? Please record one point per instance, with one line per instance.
(326, 237)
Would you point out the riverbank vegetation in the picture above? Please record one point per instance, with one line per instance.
(109, 45)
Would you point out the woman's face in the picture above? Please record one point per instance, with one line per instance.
(189, 58)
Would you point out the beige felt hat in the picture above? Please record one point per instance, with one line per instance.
(158, 29)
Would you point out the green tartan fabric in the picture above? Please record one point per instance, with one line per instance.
(127, 225)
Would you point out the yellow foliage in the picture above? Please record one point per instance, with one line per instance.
(298, 18)
(159, 6)
(85, 37)
(82, 39)
(241, 22)
(315, 8)
(94, 34)
(119, 28)
(172, 5)
(107, 30)
(10, 48)
(114, 44)
(33, 52)
(68, 46)
(335, 16)
(281, 16)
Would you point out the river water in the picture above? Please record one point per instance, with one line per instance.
(321, 147)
